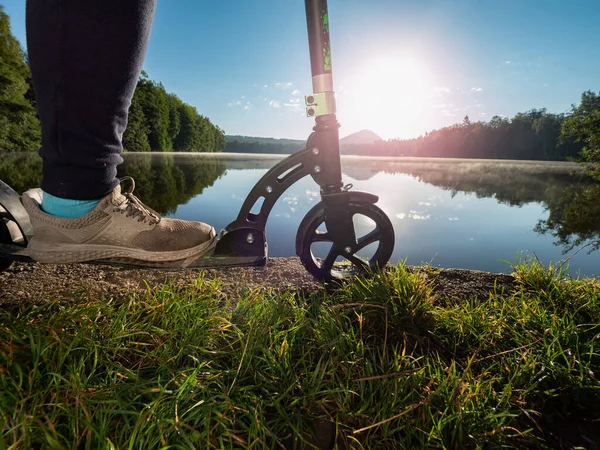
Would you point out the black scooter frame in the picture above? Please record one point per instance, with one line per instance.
(243, 241)
(245, 237)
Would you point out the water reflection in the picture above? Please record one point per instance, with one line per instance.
(513, 183)
(574, 217)
(566, 208)
(164, 181)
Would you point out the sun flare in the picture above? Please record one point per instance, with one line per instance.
(388, 95)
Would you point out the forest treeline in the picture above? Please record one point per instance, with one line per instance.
(532, 135)
(158, 120)
(247, 145)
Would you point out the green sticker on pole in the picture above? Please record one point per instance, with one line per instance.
(327, 47)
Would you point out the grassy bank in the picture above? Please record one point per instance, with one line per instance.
(380, 363)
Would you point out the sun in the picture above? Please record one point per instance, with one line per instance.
(388, 95)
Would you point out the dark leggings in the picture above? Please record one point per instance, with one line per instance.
(86, 57)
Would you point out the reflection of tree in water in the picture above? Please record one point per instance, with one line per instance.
(509, 187)
(571, 200)
(162, 181)
(165, 181)
(512, 183)
(574, 217)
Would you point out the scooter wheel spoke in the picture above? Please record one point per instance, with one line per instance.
(367, 239)
(322, 236)
(360, 264)
(328, 262)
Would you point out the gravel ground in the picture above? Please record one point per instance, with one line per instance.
(39, 283)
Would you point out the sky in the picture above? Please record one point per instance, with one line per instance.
(400, 68)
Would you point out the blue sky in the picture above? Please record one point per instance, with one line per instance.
(400, 67)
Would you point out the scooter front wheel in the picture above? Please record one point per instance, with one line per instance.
(328, 259)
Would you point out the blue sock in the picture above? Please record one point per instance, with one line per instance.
(63, 207)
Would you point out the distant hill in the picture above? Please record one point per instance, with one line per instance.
(351, 143)
(249, 144)
(264, 140)
(360, 138)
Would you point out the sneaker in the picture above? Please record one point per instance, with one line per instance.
(120, 229)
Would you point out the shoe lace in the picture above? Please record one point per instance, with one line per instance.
(133, 207)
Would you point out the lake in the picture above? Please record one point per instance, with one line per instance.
(474, 214)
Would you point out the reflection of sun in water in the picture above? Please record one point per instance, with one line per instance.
(388, 95)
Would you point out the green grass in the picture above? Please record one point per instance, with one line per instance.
(376, 364)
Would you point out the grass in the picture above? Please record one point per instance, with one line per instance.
(376, 364)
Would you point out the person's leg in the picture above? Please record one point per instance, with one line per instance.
(86, 57)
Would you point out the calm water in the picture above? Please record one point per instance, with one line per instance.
(450, 213)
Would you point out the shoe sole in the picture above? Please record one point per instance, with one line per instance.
(78, 253)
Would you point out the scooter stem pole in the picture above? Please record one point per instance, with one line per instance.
(317, 18)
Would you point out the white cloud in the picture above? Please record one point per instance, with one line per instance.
(296, 92)
(441, 89)
(242, 103)
(476, 89)
(507, 62)
(274, 104)
(286, 85)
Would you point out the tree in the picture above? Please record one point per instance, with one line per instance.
(135, 138)
(174, 103)
(583, 126)
(188, 139)
(154, 103)
(160, 121)
(19, 125)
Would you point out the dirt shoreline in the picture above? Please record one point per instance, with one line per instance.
(39, 283)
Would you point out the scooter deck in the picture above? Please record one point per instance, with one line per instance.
(18, 230)
(19, 253)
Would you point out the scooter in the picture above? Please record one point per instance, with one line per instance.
(243, 242)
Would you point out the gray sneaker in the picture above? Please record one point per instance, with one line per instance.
(120, 229)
